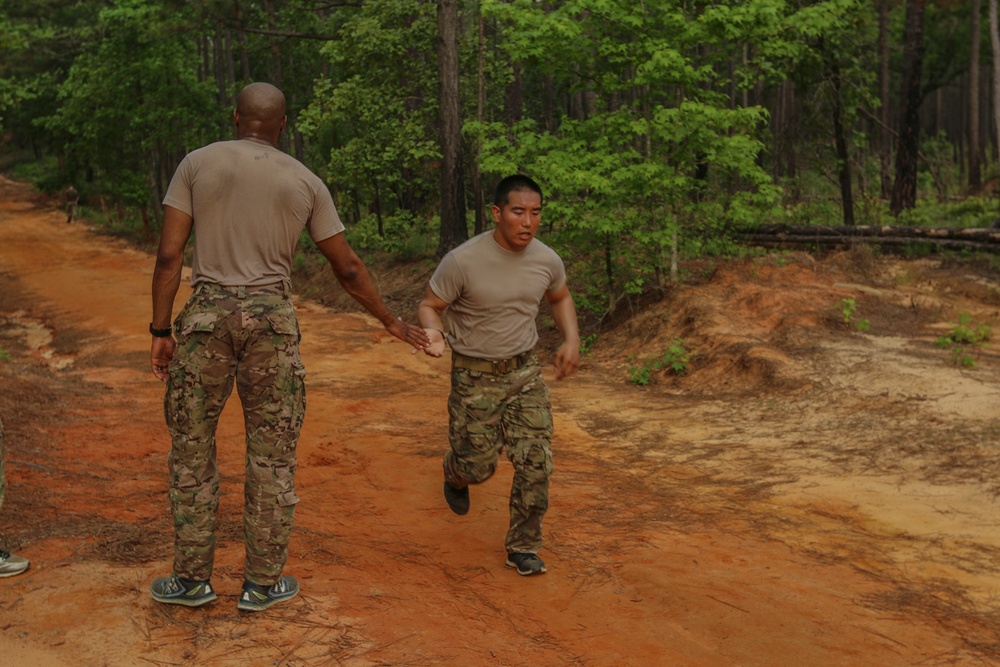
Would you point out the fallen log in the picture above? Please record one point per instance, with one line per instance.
(985, 239)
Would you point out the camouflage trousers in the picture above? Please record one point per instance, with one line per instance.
(250, 336)
(490, 412)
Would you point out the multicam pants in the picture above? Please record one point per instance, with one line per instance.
(488, 412)
(250, 335)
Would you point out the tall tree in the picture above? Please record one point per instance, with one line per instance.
(995, 42)
(904, 191)
(975, 171)
(374, 116)
(884, 126)
(132, 99)
(454, 229)
(840, 141)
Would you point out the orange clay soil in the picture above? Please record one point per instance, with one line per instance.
(808, 494)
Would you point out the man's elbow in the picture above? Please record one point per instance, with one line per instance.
(349, 274)
(168, 262)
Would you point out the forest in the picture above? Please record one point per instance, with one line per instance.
(659, 129)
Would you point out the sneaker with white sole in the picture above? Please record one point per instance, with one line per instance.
(174, 590)
(11, 564)
(256, 597)
(526, 564)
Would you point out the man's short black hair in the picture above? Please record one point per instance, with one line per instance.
(514, 183)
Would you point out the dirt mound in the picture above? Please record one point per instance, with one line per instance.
(742, 329)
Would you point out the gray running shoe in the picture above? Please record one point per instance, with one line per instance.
(526, 564)
(174, 590)
(256, 597)
(11, 564)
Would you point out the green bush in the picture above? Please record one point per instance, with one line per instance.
(674, 359)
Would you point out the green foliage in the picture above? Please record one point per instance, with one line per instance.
(964, 339)
(5, 355)
(848, 307)
(131, 94)
(674, 359)
(376, 115)
(43, 173)
(653, 127)
(405, 236)
(588, 343)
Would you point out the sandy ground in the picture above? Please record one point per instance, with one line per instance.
(807, 494)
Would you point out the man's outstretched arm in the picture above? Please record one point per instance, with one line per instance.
(353, 276)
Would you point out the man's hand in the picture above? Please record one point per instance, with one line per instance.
(567, 360)
(429, 313)
(438, 343)
(161, 354)
(408, 333)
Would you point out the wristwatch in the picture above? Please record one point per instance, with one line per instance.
(160, 333)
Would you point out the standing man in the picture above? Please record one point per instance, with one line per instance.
(72, 199)
(491, 287)
(247, 203)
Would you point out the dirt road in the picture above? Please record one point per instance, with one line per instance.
(807, 495)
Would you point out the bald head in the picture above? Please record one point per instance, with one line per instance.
(260, 113)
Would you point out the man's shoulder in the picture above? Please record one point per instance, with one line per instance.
(470, 247)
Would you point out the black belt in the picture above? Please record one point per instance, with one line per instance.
(486, 366)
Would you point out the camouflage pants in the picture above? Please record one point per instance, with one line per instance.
(489, 412)
(249, 335)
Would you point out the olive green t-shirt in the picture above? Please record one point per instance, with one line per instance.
(250, 203)
(494, 294)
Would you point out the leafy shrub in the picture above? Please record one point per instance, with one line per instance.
(674, 358)
(964, 339)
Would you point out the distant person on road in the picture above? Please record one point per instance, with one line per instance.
(491, 287)
(247, 203)
(9, 563)
(72, 200)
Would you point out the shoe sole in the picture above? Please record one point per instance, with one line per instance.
(525, 573)
(14, 573)
(266, 604)
(186, 602)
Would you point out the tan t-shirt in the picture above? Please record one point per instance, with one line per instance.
(250, 203)
(493, 295)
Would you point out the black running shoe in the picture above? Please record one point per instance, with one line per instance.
(457, 499)
(174, 590)
(256, 597)
(526, 564)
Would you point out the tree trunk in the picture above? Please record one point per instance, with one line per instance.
(975, 170)
(477, 176)
(453, 226)
(514, 97)
(272, 25)
(884, 131)
(904, 191)
(995, 42)
(241, 40)
(609, 272)
(843, 157)
(978, 238)
(230, 70)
